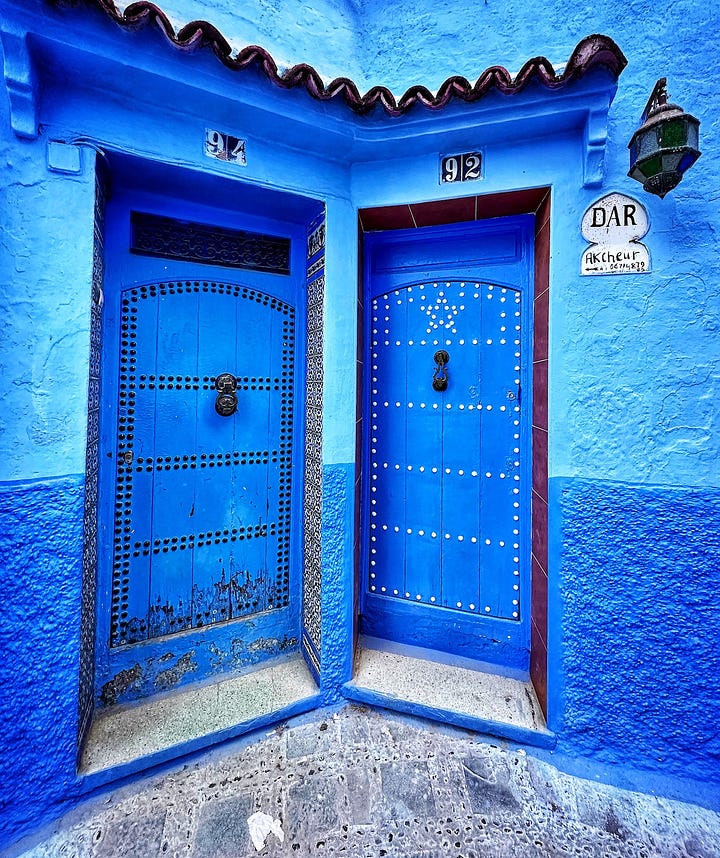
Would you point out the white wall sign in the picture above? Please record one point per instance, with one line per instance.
(614, 226)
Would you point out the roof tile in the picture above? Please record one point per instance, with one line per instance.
(592, 52)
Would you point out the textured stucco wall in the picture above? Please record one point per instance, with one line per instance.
(337, 609)
(635, 361)
(40, 575)
(45, 275)
(634, 626)
(428, 42)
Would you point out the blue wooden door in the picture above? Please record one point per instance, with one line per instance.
(201, 406)
(204, 523)
(448, 403)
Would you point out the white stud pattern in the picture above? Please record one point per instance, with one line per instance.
(445, 513)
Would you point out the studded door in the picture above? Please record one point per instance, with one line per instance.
(445, 477)
(202, 520)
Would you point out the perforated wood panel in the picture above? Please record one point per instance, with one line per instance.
(202, 502)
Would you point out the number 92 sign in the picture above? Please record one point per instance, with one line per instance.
(461, 168)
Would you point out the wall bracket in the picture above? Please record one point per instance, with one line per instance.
(595, 139)
(20, 80)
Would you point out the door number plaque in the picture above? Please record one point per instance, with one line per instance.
(224, 147)
(461, 168)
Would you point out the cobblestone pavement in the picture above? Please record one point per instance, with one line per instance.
(365, 783)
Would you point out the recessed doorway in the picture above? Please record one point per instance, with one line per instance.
(458, 483)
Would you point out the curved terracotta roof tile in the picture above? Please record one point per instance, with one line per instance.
(592, 52)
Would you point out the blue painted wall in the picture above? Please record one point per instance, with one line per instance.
(41, 547)
(636, 621)
(634, 565)
(45, 307)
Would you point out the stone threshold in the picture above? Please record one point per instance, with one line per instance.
(460, 693)
(134, 736)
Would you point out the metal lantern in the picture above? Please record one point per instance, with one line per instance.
(665, 145)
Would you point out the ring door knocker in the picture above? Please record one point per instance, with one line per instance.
(440, 376)
(226, 402)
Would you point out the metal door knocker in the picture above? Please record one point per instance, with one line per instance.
(440, 376)
(226, 402)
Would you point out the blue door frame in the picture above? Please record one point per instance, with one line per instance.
(446, 494)
(200, 539)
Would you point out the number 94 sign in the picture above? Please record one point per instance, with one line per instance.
(224, 147)
(461, 168)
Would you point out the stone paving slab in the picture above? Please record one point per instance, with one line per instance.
(369, 784)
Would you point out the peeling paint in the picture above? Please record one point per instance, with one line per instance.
(163, 619)
(120, 683)
(170, 677)
(273, 645)
(223, 600)
(207, 654)
(241, 594)
(633, 387)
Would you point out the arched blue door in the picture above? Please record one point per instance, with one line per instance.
(447, 488)
(201, 402)
(202, 510)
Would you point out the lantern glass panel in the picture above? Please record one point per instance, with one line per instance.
(651, 167)
(693, 129)
(687, 160)
(647, 143)
(670, 161)
(673, 133)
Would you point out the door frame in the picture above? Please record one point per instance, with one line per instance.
(535, 201)
(500, 641)
(126, 668)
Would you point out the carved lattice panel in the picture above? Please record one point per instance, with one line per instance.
(90, 519)
(169, 238)
(312, 574)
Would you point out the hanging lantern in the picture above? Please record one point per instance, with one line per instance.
(665, 145)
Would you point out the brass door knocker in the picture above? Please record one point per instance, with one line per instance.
(440, 376)
(226, 402)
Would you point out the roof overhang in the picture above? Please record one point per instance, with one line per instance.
(138, 56)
